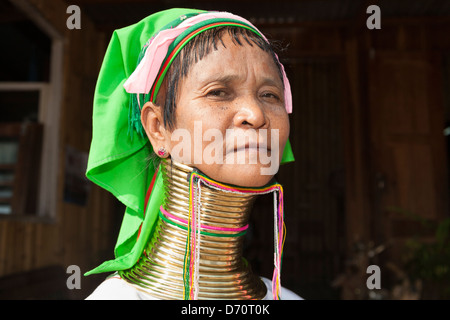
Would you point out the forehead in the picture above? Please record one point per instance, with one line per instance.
(233, 59)
(216, 38)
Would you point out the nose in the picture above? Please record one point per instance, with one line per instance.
(250, 114)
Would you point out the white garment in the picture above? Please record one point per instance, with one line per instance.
(115, 288)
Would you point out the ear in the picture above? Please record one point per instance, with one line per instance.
(153, 123)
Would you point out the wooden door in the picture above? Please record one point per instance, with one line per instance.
(407, 145)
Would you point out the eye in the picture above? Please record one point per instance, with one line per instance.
(219, 93)
(270, 95)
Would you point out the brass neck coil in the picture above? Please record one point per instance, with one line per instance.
(223, 273)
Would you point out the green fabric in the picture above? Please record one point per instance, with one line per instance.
(134, 117)
(119, 159)
(288, 155)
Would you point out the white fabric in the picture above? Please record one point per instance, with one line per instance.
(115, 288)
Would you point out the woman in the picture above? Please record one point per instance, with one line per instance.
(208, 97)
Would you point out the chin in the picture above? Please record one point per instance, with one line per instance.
(240, 175)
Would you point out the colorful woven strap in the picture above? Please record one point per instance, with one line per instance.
(168, 217)
(192, 254)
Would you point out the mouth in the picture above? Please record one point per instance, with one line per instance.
(252, 147)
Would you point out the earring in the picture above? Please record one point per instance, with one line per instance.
(162, 152)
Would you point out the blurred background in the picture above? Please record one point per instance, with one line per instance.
(370, 131)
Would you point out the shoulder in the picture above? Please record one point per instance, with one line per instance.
(115, 288)
(286, 294)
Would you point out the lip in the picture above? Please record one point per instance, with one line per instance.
(251, 146)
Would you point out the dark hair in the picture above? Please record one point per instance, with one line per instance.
(194, 51)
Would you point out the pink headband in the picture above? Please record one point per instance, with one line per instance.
(143, 77)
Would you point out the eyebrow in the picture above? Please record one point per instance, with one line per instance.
(223, 78)
(227, 78)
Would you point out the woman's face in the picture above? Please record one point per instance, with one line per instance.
(231, 121)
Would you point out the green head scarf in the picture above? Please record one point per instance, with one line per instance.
(119, 157)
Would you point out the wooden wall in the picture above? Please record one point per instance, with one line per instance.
(82, 235)
(367, 135)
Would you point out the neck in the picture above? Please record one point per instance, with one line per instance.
(222, 271)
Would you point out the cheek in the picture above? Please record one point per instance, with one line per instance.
(286, 128)
(280, 121)
(196, 134)
(282, 126)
